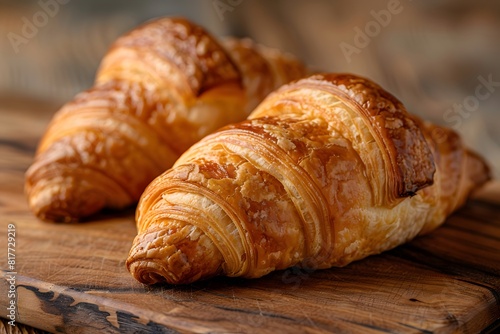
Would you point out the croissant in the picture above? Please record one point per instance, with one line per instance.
(159, 89)
(327, 170)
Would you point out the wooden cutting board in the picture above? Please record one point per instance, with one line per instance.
(72, 278)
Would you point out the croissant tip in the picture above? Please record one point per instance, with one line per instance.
(149, 272)
(173, 257)
(61, 205)
(478, 169)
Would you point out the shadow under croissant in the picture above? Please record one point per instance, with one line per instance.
(102, 215)
(109, 213)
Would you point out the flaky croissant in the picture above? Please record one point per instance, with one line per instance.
(326, 171)
(160, 89)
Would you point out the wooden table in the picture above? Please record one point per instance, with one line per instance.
(72, 278)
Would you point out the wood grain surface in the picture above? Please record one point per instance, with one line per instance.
(72, 278)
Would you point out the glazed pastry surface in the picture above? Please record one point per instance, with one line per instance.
(160, 88)
(327, 170)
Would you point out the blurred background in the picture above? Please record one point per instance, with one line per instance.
(441, 57)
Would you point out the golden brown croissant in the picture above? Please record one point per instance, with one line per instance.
(160, 88)
(327, 170)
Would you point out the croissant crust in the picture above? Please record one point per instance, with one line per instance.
(327, 170)
(160, 88)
